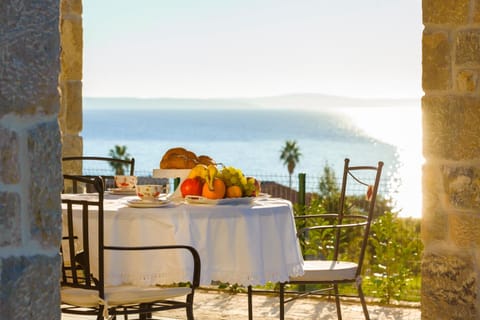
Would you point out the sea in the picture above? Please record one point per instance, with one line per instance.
(252, 138)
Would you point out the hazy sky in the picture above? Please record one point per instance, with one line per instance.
(247, 48)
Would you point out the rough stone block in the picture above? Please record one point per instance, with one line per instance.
(451, 12)
(449, 287)
(29, 287)
(464, 229)
(467, 50)
(462, 184)
(29, 59)
(73, 99)
(467, 81)
(9, 169)
(476, 11)
(434, 218)
(436, 61)
(10, 228)
(72, 48)
(451, 126)
(72, 146)
(44, 152)
(71, 7)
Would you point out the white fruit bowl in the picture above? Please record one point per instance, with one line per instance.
(182, 174)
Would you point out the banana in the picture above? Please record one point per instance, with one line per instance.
(212, 173)
(200, 170)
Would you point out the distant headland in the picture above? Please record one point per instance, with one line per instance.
(311, 101)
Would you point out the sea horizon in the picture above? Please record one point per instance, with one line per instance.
(251, 139)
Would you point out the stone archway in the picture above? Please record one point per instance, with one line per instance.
(30, 151)
(451, 125)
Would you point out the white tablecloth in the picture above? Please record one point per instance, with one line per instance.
(243, 244)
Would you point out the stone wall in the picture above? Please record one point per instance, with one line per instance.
(30, 148)
(451, 177)
(70, 81)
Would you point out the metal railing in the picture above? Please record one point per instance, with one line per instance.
(302, 187)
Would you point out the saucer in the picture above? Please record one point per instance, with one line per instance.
(138, 203)
(123, 191)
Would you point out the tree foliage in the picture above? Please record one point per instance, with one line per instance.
(119, 152)
(290, 155)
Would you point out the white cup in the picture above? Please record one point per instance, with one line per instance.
(125, 182)
(149, 192)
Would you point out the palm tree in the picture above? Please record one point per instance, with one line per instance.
(290, 154)
(119, 152)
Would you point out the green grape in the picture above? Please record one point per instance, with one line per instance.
(243, 180)
(226, 174)
(234, 177)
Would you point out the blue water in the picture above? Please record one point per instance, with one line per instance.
(248, 139)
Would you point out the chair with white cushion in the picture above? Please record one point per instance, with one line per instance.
(83, 290)
(354, 214)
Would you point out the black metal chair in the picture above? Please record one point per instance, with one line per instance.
(79, 162)
(83, 292)
(326, 270)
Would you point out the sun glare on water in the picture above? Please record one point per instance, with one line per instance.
(400, 127)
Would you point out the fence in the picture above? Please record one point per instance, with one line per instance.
(301, 189)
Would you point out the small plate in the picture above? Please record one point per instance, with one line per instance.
(137, 203)
(225, 201)
(122, 191)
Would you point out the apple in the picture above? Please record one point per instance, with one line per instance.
(191, 186)
(258, 188)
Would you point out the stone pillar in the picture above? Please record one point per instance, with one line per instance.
(30, 148)
(451, 147)
(70, 80)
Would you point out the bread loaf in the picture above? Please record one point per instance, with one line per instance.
(206, 160)
(178, 158)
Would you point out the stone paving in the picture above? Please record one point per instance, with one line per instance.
(212, 305)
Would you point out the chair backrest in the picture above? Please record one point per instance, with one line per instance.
(98, 167)
(358, 196)
(77, 252)
(355, 211)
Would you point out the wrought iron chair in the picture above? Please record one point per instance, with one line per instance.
(78, 162)
(83, 290)
(354, 215)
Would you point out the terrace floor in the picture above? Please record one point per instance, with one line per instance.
(212, 305)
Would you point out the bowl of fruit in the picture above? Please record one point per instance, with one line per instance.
(210, 185)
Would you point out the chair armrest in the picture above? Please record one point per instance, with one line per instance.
(192, 250)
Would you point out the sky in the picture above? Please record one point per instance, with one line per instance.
(252, 48)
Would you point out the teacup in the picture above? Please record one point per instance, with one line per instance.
(125, 182)
(149, 192)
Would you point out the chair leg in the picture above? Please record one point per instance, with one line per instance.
(189, 308)
(142, 315)
(337, 302)
(100, 313)
(282, 300)
(362, 300)
(250, 303)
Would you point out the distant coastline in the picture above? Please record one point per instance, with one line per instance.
(291, 101)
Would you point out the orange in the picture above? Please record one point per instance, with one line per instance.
(218, 191)
(234, 192)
